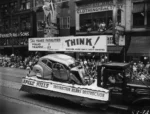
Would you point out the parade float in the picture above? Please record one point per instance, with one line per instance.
(62, 76)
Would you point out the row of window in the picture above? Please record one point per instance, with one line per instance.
(14, 41)
(12, 7)
(65, 22)
(98, 21)
(15, 25)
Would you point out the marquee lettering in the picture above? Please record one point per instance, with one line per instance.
(7, 35)
(79, 41)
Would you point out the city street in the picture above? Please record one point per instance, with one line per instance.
(14, 101)
(92, 52)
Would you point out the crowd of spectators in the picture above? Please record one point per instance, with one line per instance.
(17, 61)
(99, 26)
(140, 70)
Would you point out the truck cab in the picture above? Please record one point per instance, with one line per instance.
(126, 92)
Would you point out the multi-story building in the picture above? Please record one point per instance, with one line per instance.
(100, 17)
(133, 15)
(16, 25)
(138, 29)
(21, 19)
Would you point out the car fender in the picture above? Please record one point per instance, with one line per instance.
(144, 101)
(38, 70)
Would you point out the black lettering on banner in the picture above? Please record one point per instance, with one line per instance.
(28, 82)
(79, 41)
(42, 84)
(76, 90)
(93, 93)
(60, 87)
(88, 42)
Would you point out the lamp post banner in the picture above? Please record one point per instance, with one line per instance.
(71, 43)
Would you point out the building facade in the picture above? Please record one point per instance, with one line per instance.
(16, 25)
(23, 19)
(138, 30)
(101, 17)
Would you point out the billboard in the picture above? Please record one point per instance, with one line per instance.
(71, 43)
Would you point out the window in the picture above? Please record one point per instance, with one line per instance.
(5, 10)
(141, 14)
(138, 14)
(39, 3)
(44, 61)
(13, 7)
(148, 14)
(25, 23)
(14, 25)
(49, 64)
(6, 26)
(25, 4)
(65, 23)
(98, 21)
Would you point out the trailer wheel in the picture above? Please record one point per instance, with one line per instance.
(140, 110)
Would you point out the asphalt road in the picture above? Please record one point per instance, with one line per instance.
(10, 82)
(8, 107)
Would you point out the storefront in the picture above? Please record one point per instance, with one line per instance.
(139, 49)
(14, 38)
(96, 18)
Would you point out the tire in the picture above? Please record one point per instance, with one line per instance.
(140, 110)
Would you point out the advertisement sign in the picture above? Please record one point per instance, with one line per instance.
(96, 7)
(119, 36)
(44, 44)
(85, 43)
(72, 43)
(98, 94)
(20, 34)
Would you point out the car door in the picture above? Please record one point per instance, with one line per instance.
(56, 71)
(64, 73)
(115, 86)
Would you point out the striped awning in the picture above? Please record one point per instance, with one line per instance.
(139, 45)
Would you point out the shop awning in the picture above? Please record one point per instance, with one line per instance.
(114, 49)
(139, 45)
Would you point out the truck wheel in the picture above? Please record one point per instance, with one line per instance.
(140, 110)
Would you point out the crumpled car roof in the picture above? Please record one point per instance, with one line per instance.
(61, 58)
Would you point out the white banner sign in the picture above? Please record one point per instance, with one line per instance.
(44, 44)
(72, 43)
(85, 44)
(67, 89)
